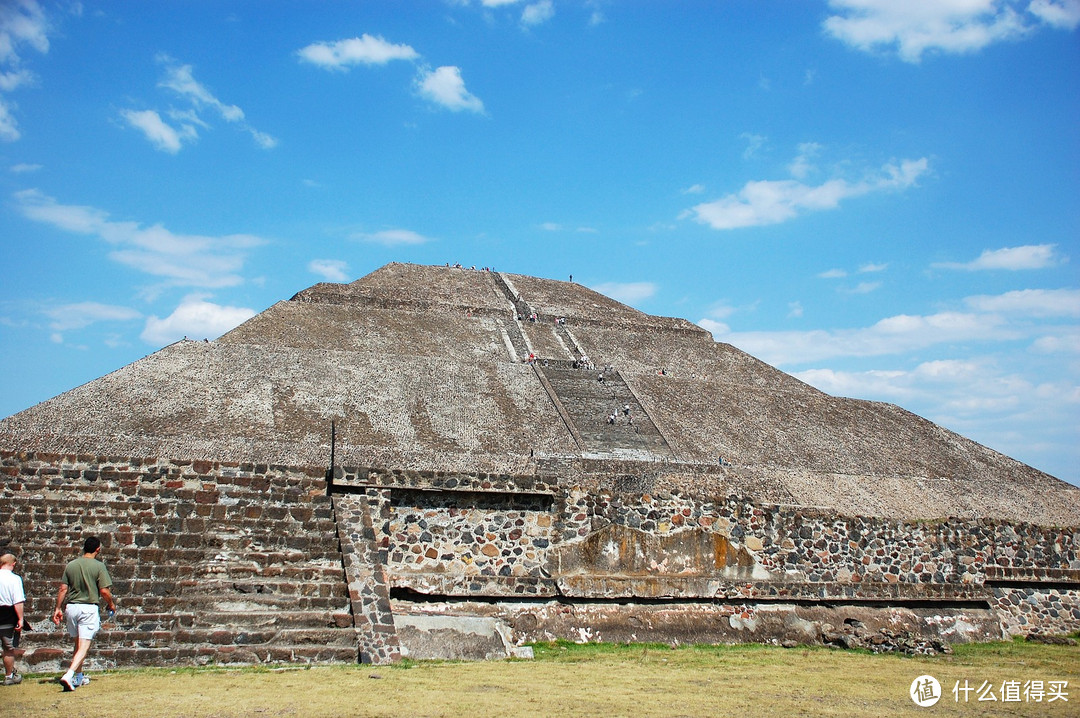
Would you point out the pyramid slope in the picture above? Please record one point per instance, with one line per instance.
(422, 368)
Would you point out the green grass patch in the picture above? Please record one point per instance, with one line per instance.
(569, 679)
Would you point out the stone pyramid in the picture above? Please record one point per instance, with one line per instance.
(427, 368)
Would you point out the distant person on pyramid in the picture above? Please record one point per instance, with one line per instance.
(86, 581)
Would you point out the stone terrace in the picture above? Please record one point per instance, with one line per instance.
(211, 562)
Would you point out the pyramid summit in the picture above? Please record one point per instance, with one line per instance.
(428, 368)
(443, 462)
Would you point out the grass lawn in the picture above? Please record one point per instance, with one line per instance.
(572, 680)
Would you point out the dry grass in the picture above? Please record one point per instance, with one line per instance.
(593, 680)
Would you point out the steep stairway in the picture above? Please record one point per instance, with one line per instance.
(590, 403)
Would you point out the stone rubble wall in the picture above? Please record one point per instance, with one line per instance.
(442, 541)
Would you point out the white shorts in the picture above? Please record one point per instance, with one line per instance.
(83, 620)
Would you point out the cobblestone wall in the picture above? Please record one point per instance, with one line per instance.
(442, 540)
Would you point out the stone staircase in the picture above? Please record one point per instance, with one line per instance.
(226, 570)
(589, 402)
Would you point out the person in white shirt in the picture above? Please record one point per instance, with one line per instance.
(12, 599)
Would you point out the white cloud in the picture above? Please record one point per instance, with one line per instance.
(914, 27)
(833, 274)
(1064, 14)
(365, 50)
(892, 335)
(83, 314)
(267, 142)
(9, 127)
(182, 260)
(22, 24)
(195, 318)
(863, 288)
(1064, 341)
(162, 135)
(392, 237)
(626, 292)
(24, 167)
(14, 79)
(871, 267)
(1004, 317)
(803, 164)
(753, 144)
(694, 189)
(774, 201)
(444, 86)
(551, 227)
(1032, 256)
(497, 3)
(795, 310)
(179, 79)
(1030, 302)
(333, 270)
(717, 329)
(538, 13)
(171, 138)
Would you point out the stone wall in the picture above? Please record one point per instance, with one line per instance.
(454, 539)
(242, 563)
(212, 562)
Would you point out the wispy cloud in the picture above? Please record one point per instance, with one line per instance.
(23, 168)
(893, 335)
(186, 123)
(915, 27)
(1012, 316)
(773, 201)
(1030, 302)
(22, 25)
(161, 134)
(753, 144)
(863, 288)
(803, 164)
(626, 292)
(196, 318)
(537, 13)
(83, 314)
(363, 50)
(1031, 256)
(444, 86)
(333, 270)
(392, 237)
(180, 259)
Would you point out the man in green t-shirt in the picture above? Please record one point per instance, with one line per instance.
(85, 583)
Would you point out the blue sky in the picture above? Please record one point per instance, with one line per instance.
(880, 198)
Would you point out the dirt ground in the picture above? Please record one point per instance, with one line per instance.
(589, 680)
